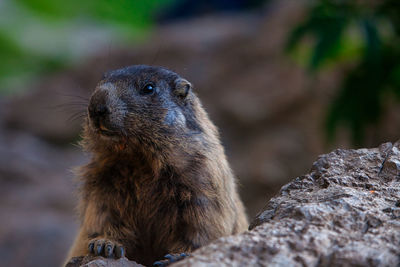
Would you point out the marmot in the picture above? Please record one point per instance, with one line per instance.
(158, 181)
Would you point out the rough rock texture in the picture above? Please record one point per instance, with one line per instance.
(346, 212)
(101, 262)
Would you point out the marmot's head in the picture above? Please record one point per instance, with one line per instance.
(142, 105)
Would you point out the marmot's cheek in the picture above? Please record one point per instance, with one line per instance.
(175, 118)
(115, 122)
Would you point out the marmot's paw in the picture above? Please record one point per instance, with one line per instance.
(106, 248)
(170, 258)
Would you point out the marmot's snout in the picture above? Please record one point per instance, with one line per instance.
(103, 118)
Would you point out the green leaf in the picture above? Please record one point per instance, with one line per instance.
(372, 41)
(325, 24)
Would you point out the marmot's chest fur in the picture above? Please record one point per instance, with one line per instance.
(158, 181)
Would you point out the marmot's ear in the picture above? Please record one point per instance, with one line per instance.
(182, 87)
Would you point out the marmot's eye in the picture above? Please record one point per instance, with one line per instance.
(148, 89)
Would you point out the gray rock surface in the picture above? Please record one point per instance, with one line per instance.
(345, 212)
(89, 261)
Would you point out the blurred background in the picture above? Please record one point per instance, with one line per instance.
(283, 80)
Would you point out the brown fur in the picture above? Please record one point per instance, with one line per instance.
(161, 183)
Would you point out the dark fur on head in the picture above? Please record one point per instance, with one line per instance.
(146, 121)
(158, 181)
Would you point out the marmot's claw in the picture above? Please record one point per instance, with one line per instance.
(159, 264)
(109, 250)
(91, 247)
(99, 244)
(170, 258)
(119, 252)
(106, 248)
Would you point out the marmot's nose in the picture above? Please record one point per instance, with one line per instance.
(101, 110)
(98, 111)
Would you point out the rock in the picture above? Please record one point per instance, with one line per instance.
(345, 212)
(36, 200)
(89, 261)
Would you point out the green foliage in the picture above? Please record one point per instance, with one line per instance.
(129, 13)
(21, 65)
(376, 72)
(40, 36)
(326, 24)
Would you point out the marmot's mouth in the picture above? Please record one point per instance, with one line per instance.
(107, 132)
(100, 128)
